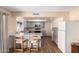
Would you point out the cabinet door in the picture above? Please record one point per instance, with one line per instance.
(61, 40)
(61, 25)
(74, 48)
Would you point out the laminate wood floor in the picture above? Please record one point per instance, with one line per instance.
(49, 47)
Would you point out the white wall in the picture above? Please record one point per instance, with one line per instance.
(72, 28)
(72, 34)
(74, 14)
(11, 23)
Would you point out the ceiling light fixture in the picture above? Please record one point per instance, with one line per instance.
(35, 13)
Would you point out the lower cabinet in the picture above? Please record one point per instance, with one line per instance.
(74, 48)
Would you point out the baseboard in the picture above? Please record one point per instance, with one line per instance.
(48, 36)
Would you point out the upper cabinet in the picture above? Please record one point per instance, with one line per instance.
(23, 25)
(19, 24)
(32, 24)
(61, 26)
(59, 23)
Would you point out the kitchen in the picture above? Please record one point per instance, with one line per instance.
(34, 28)
(30, 29)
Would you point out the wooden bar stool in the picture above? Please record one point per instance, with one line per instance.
(18, 41)
(34, 45)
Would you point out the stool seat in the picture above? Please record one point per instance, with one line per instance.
(34, 45)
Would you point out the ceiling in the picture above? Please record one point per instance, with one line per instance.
(37, 8)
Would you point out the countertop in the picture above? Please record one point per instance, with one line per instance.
(75, 43)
